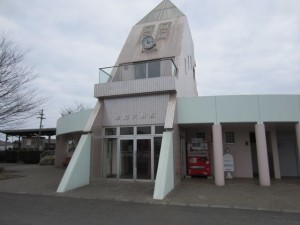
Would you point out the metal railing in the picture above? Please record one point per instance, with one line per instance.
(139, 70)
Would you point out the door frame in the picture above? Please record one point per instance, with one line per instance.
(134, 155)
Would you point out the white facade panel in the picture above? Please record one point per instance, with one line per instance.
(239, 109)
(73, 122)
(279, 108)
(133, 87)
(135, 110)
(78, 171)
(196, 110)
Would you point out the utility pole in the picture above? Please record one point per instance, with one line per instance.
(41, 117)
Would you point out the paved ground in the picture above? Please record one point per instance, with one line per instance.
(283, 195)
(33, 179)
(49, 210)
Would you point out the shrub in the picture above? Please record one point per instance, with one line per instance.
(30, 157)
(11, 156)
(2, 156)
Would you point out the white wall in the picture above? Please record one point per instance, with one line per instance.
(241, 151)
(73, 122)
(237, 109)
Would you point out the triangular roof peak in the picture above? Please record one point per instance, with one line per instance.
(164, 11)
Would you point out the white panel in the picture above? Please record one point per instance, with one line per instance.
(133, 87)
(170, 112)
(78, 171)
(92, 118)
(279, 108)
(230, 109)
(196, 110)
(135, 110)
(165, 172)
(73, 122)
(237, 108)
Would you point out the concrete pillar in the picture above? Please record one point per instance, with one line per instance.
(218, 155)
(298, 138)
(19, 143)
(60, 150)
(96, 157)
(262, 155)
(49, 139)
(275, 154)
(6, 137)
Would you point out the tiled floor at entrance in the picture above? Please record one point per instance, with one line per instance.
(241, 193)
(116, 190)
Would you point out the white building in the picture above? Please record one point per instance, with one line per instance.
(149, 118)
(7, 145)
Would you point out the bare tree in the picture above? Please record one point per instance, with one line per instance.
(18, 98)
(77, 107)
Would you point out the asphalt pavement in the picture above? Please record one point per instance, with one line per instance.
(282, 196)
(27, 209)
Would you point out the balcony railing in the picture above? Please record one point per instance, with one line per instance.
(140, 70)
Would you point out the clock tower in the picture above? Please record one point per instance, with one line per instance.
(132, 132)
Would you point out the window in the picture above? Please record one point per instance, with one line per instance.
(147, 70)
(143, 130)
(164, 26)
(126, 130)
(140, 71)
(110, 131)
(72, 144)
(162, 35)
(163, 30)
(159, 129)
(229, 137)
(154, 69)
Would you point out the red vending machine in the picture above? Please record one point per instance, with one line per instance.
(198, 158)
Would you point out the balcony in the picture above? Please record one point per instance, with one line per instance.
(136, 78)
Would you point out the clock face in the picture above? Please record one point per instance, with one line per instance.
(148, 42)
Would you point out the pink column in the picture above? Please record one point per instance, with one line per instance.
(275, 154)
(262, 155)
(218, 155)
(298, 138)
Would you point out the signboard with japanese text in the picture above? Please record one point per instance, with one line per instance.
(228, 163)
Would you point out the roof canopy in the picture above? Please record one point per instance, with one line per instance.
(30, 132)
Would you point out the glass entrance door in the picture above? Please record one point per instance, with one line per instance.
(135, 159)
(126, 162)
(143, 159)
(110, 158)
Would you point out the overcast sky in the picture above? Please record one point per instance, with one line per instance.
(241, 46)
